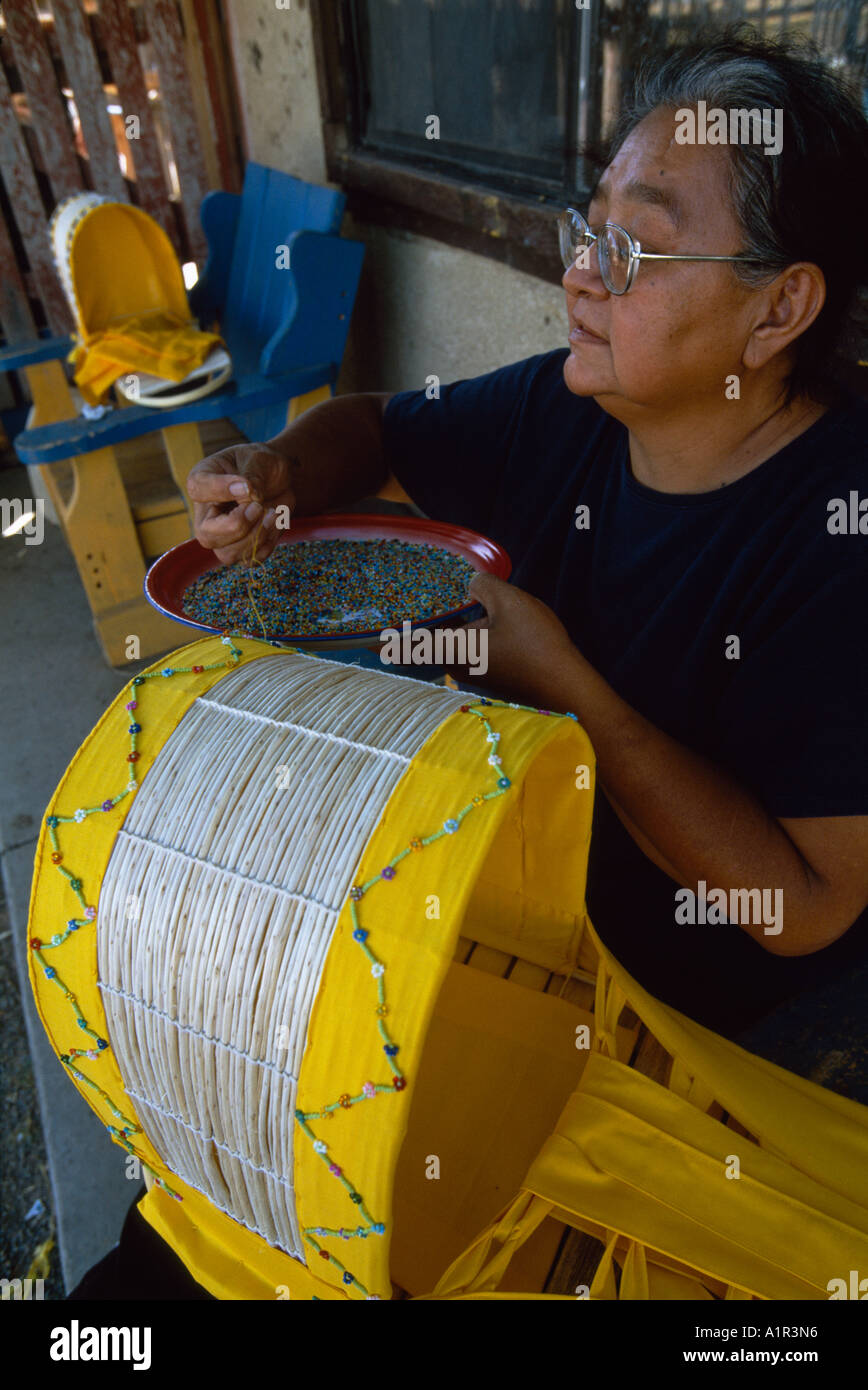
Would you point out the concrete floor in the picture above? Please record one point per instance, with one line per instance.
(54, 685)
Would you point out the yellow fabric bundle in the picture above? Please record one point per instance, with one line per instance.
(160, 344)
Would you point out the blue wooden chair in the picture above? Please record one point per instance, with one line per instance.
(285, 328)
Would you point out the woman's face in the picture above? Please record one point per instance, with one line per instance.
(681, 329)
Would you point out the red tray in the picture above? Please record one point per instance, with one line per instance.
(168, 577)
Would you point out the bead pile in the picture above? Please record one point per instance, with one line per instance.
(345, 1101)
(332, 587)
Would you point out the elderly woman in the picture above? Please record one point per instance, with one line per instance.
(680, 491)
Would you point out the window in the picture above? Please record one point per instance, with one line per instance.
(462, 119)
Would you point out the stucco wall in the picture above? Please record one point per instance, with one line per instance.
(423, 307)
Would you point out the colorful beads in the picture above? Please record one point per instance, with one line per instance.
(57, 857)
(135, 729)
(390, 1049)
(378, 1228)
(35, 943)
(399, 1083)
(133, 757)
(51, 822)
(465, 709)
(416, 844)
(503, 783)
(325, 1254)
(138, 680)
(131, 705)
(478, 799)
(319, 1147)
(348, 1278)
(495, 760)
(108, 805)
(49, 973)
(382, 1010)
(378, 970)
(90, 913)
(356, 893)
(355, 1197)
(335, 1170)
(360, 934)
(369, 1089)
(450, 826)
(388, 872)
(80, 815)
(345, 1101)
(167, 671)
(75, 885)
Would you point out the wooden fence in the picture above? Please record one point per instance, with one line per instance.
(129, 98)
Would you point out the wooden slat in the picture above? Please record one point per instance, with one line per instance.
(216, 58)
(22, 191)
(82, 69)
(651, 1058)
(165, 33)
(16, 319)
(576, 1263)
(119, 32)
(47, 108)
(195, 58)
(489, 960)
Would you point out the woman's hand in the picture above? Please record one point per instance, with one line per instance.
(528, 648)
(231, 492)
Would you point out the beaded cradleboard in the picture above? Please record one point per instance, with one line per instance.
(268, 867)
(276, 867)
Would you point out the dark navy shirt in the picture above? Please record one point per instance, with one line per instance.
(651, 592)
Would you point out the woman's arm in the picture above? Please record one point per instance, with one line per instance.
(688, 815)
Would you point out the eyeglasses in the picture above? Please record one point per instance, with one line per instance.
(618, 254)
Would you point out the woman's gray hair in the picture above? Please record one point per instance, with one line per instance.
(807, 203)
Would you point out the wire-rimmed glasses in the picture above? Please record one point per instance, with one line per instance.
(618, 253)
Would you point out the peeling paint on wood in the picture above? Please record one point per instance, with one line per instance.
(46, 106)
(85, 78)
(164, 29)
(119, 33)
(22, 191)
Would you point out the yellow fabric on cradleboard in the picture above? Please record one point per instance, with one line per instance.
(419, 949)
(636, 1164)
(645, 1169)
(158, 345)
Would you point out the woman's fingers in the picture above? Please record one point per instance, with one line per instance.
(221, 528)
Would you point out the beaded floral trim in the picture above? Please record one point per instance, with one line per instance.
(88, 915)
(398, 1083)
